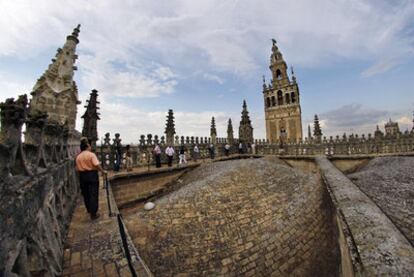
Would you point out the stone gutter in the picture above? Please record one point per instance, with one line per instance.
(380, 246)
(139, 266)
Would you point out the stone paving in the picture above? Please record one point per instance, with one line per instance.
(240, 218)
(389, 182)
(93, 248)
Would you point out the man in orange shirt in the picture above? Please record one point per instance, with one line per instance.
(87, 165)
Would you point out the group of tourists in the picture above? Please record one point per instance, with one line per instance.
(87, 165)
(169, 152)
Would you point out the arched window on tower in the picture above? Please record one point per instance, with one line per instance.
(279, 98)
(273, 101)
(268, 102)
(293, 97)
(287, 98)
(278, 74)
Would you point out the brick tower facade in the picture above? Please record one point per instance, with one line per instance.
(282, 102)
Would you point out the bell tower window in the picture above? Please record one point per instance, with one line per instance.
(273, 101)
(278, 74)
(279, 98)
(293, 97)
(287, 98)
(268, 102)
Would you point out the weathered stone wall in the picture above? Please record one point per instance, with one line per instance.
(34, 221)
(128, 191)
(349, 165)
(38, 189)
(240, 218)
(380, 248)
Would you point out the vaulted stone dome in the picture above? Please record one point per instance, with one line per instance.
(250, 217)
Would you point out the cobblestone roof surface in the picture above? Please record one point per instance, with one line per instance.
(252, 217)
(389, 182)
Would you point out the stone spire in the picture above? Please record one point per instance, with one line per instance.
(412, 130)
(278, 66)
(317, 131)
(309, 132)
(245, 129)
(378, 133)
(55, 92)
(90, 119)
(230, 136)
(213, 130)
(293, 74)
(170, 128)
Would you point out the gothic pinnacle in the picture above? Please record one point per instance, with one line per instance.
(75, 34)
(293, 73)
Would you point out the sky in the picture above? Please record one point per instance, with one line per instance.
(353, 60)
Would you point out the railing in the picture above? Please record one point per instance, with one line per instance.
(125, 244)
(113, 211)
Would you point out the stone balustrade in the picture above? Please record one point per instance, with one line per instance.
(353, 145)
(38, 190)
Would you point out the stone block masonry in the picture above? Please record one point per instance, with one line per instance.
(34, 221)
(253, 217)
(381, 247)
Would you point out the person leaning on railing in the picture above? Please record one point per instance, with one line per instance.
(87, 165)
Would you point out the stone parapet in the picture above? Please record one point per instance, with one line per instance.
(380, 246)
(37, 192)
(34, 221)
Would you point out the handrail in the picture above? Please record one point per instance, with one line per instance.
(125, 244)
(113, 211)
(108, 200)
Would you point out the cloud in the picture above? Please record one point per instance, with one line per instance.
(136, 82)
(131, 122)
(212, 77)
(356, 118)
(145, 49)
(12, 87)
(220, 36)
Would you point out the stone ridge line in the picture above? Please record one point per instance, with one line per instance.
(380, 244)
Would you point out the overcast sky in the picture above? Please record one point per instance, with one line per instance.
(354, 59)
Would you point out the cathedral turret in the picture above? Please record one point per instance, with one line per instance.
(230, 136)
(282, 102)
(317, 131)
(90, 119)
(391, 128)
(55, 92)
(378, 134)
(170, 128)
(213, 131)
(412, 130)
(245, 129)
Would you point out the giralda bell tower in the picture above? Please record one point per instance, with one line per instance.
(282, 102)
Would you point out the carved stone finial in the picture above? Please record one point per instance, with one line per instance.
(107, 140)
(13, 114)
